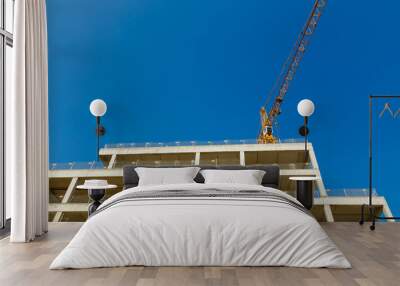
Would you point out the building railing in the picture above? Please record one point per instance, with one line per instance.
(194, 143)
(98, 165)
(77, 165)
(350, 192)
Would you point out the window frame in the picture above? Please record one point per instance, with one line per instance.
(6, 39)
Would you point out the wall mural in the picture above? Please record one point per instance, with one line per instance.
(200, 70)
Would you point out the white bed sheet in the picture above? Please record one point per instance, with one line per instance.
(202, 232)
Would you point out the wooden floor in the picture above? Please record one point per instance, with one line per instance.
(375, 257)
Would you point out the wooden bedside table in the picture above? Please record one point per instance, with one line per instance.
(305, 191)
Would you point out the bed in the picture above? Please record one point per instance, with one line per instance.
(201, 224)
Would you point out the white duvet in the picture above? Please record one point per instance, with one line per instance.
(200, 231)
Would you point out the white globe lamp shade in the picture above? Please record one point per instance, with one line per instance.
(305, 107)
(98, 107)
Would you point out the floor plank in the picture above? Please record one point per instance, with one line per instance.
(375, 257)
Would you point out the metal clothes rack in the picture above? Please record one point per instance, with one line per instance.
(369, 206)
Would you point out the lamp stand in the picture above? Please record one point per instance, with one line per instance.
(100, 131)
(305, 139)
(303, 131)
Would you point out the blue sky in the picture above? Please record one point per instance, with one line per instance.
(200, 70)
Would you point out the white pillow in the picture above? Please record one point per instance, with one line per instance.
(163, 176)
(248, 177)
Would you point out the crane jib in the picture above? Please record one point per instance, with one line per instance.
(288, 71)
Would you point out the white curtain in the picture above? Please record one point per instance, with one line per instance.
(27, 124)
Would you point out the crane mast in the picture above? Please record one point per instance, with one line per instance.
(281, 86)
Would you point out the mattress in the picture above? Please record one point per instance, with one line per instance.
(201, 225)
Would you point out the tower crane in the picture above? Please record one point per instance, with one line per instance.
(289, 68)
